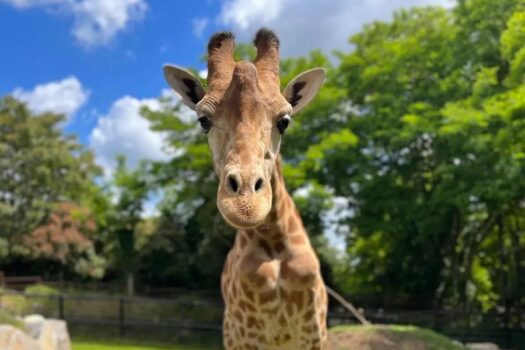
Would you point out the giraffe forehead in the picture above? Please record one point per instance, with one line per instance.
(245, 98)
(245, 73)
(245, 111)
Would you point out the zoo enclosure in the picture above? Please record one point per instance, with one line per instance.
(200, 312)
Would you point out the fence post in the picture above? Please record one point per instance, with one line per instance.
(61, 307)
(121, 317)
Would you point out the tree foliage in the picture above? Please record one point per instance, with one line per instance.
(435, 177)
(66, 239)
(39, 167)
(419, 131)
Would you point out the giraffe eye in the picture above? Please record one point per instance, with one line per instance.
(283, 122)
(205, 124)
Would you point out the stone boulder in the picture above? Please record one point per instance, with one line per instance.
(12, 338)
(33, 325)
(54, 336)
(41, 334)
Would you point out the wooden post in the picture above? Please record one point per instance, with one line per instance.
(61, 314)
(360, 317)
(121, 317)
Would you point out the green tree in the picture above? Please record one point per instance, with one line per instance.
(433, 179)
(39, 167)
(419, 128)
(191, 240)
(130, 188)
(65, 242)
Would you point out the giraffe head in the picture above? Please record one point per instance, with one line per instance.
(244, 115)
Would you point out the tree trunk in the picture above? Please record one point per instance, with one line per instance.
(130, 284)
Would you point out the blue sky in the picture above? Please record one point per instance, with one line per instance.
(38, 47)
(99, 61)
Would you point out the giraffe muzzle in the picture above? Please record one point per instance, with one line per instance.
(244, 201)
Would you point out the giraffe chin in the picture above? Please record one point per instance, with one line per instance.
(244, 212)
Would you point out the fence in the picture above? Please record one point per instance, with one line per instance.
(117, 311)
(193, 312)
(18, 281)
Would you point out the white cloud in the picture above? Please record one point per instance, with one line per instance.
(23, 4)
(244, 13)
(65, 96)
(96, 22)
(199, 25)
(203, 73)
(305, 25)
(184, 112)
(124, 131)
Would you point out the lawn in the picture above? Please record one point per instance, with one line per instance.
(377, 337)
(95, 345)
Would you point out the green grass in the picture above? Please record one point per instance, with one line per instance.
(433, 340)
(95, 345)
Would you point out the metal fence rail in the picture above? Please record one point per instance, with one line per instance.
(118, 311)
(196, 313)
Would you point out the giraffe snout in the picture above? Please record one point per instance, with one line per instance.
(238, 185)
(244, 198)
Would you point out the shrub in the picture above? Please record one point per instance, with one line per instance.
(41, 289)
(7, 318)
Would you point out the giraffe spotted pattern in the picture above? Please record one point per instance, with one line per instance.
(275, 298)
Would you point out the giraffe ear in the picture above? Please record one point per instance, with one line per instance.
(185, 84)
(303, 88)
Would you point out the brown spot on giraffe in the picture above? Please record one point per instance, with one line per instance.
(266, 247)
(267, 296)
(272, 260)
(279, 247)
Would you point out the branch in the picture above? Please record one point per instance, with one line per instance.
(348, 306)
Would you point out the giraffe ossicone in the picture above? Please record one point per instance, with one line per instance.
(271, 283)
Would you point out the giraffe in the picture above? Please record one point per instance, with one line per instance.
(274, 294)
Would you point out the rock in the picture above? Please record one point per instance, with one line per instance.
(54, 336)
(33, 325)
(482, 346)
(12, 338)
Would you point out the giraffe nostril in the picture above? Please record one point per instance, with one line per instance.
(234, 185)
(258, 185)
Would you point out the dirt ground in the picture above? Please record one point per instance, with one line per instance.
(373, 341)
(379, 339)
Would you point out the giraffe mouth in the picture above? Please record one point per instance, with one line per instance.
(244, 211)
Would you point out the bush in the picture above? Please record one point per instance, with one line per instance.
(7, 318)
(41, 289)
(41, 299)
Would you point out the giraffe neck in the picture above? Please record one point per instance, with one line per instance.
(283, 219)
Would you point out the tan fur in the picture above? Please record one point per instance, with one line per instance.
(271, 283)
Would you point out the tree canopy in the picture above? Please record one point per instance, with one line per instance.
(418, 135)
